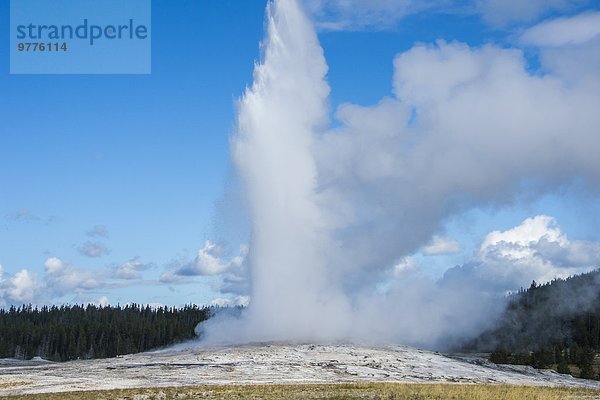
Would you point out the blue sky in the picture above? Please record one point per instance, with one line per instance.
(137, 167)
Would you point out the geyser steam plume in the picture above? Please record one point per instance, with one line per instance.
(334, 212)
(277, 121)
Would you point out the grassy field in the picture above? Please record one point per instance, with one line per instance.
(334, 391)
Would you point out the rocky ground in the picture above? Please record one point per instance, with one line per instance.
(268, 363)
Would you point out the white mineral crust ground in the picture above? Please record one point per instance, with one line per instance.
(266, 364)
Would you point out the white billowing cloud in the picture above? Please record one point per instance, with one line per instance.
(574, 30)
(93, 249)
(534, 250)
(515, 243)
(17, 289)
(211, 260)
(236, 301)
(481, 126)
(464, 301)
(208, 261)
(53, 265)
(61, 279)
(440, 245)
(131, 269)
(21, 287)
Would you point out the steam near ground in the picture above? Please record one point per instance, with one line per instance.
(336, 211)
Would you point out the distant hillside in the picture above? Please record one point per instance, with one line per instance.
(556, 324)
(71, 332)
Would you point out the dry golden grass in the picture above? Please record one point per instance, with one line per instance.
(333, 391)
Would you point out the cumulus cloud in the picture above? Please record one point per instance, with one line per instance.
(440, 245)
(93, 249)
(61, 279)
(515, 243)
(22, 286)
(535, 250)
(131, 269)
(231, 302)
(421, 311)
(53, 265)
(467, 127)
(473, 294)
(209, 261)
(18, 289)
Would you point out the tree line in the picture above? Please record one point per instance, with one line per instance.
(82, 332)
(555, 325)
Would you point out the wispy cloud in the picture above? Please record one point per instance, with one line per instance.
(358, 14)
(500, 13)
(339, 15)
(98, 231)
(440, 246)
(564, 31)
(131, 269)
(26, 216)
(93, 249)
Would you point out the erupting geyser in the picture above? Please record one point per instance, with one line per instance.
(292, 291)
(336, 211)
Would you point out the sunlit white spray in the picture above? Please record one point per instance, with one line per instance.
(277, 120)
